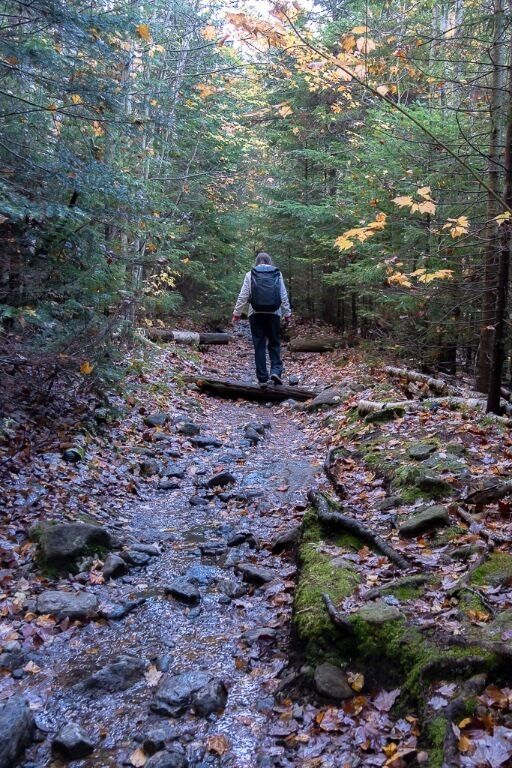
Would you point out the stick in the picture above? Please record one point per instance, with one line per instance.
(346, 523)
(330, 461)
(488, 495)
(336, 617)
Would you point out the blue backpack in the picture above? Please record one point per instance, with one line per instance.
(265, 289)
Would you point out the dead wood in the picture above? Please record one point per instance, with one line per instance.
(322, 344)
(489, 495)
(439, 386)
(234, 389)
(337, 618)
(347, 523)
(366, 407)
(491, 537)
(329, 469)
(417, 580)
(186, 337)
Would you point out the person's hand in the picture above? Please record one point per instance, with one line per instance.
(235, 319)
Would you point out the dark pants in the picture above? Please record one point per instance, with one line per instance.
(266, 328)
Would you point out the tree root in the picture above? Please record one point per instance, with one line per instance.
(463, 582)
(346, 523)
(454, 711)
(489, 495)
(491, 537)
(337, 619)
(329, 463)
(416, 580)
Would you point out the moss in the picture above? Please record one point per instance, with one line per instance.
(436, 733)
(408, 591)
(496, 571)
(449, 534)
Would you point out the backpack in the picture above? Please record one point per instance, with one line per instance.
(265, 289)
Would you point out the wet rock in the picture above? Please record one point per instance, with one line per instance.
(167, 485)
(134, 557)
(213, 548)
(175, 693)
(16, 730)
(421, 451)
(220, 480)
(156, 419)
(172, 470)
(119, 675)
(174, 758)
(259, 633)
(188, 428)
(72, 742)
(149, 549)
(232, 588)
(201, 574)
(156, 738)
(293, 380)
(241, 537)
(183, 589)
(114, 566)
(378, 613)
(202, 441)
(12, 656)
(329, 397)
(428, 520)
(212, 698)
(198, 501)
(66, 541)
(150, 467)
(286, 540)
(71, 605)
(252, 435)
(255, 574)
(331, 682)
(117, 611)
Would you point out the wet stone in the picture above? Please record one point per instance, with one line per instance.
(212, 698)
(16, 730)
(240, 537)
(134, 557)
(428, 520)
(156, 738)
(293, 380)
(156, 419)
(221, 479)
(172, 470)
(72, 605)
(188, 428)
(149, 467)
(259, 633)
(113, 566)
(172, 759)
(252, 435)
(213, 548)
(119, 675)
(286, 540)
(201, 574)
(202, 441)
(331, 681)
(68, 540)
(12, 656)
(232, 588)
(183, 589)
(167, 485)
(175, 693)
(255, 574)
(117, 611)
(72, 742)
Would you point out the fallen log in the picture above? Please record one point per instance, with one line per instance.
(489, 495)
(322, 344)
(474, 526)
(186, 337)
(346, 523)
(234, 389)
(439, 386)
(366, 407)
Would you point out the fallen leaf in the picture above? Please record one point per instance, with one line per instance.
(138, 758)
(218, 744)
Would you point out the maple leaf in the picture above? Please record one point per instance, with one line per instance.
(425, 192)
(382, 90)
(153, 676)
(218, 744)
(348, 43)
(76, 98)
(458, 226)
(403, 200)
(143, 32)
(138, 758)
(209, 32)
(398, 278)
(285, 110)
(205, 90)
(343, 243)
(502, 217)
(427, 207)
(360, 30)
(86, 368)
(366, 44)
(441, 274)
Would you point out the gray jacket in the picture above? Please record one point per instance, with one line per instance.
(245, 295)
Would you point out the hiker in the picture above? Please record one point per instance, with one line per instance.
(265, 292)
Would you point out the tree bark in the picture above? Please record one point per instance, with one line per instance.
(234, 389)
(186, 337)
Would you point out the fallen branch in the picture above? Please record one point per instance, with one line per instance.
(337, 619)
(439, 386)
(491, 537)
(329, 464)
(489, 495)
(417, 580)
(186, 337)
(234, 389)
(346, 523)
(366, 407)
(323, 344)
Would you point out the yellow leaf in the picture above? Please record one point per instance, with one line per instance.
(209, 32)
(503, 217)
(343, 244)
(359, 30)
(218, 744)
(348, 43)
(143, 32)
(424, 192)
(399, 279)
(86, 368)
(356, 681)
(382, 89)
(97, 128)
(365, 45)
(464, 744)
(403, 200)
(390, 749)
(205, 90)
(32, 668)
(285, 110)
(427, 207)
(441, 274)
(417, 272)
(76, 98)
(138, 758)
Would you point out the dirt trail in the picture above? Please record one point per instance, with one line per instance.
(221, 634)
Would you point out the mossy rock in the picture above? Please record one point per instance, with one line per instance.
(421, 451)
(427, 520)
(496, 571)
(386, 414)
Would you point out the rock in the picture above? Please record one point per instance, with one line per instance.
(116, 611)
(258, 427)
(113, 566)
(174, 694)
(390, 502)
(255, 574)
(172, 470)
(213, 548)
(293, 380)
(167, 485)
(205, 442)
(188, 428)
(155, 739)
(156, 419)
(119, 675)
(456, 449)
(174, 758)
(12, 656)
(331, 682)
(240, 537)
(232, 588)
(330, 396)
(149, 549)
(421, 451)
(149, 467)
(379, 612)
(212, 698)
(74, 454)
(16, 730)
(428, 520)
(220, 480)
(433, 484)
(286, 540)
(66, 541)
(183, 589)
(259, 633)
(72, 743)
(134, 557)
(251, 435)
(67, 605)
(201, 574)
(198, 501)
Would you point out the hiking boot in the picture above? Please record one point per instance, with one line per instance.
(276, 379)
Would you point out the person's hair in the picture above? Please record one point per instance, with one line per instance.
(263, 258)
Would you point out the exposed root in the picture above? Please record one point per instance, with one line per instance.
(489, 495)
(416, 580)
(491, 537)
(337, 618)
(329, 464)
(346, 523)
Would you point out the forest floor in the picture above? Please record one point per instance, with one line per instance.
(204, 641)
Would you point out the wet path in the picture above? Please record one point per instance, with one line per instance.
(238, 632)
